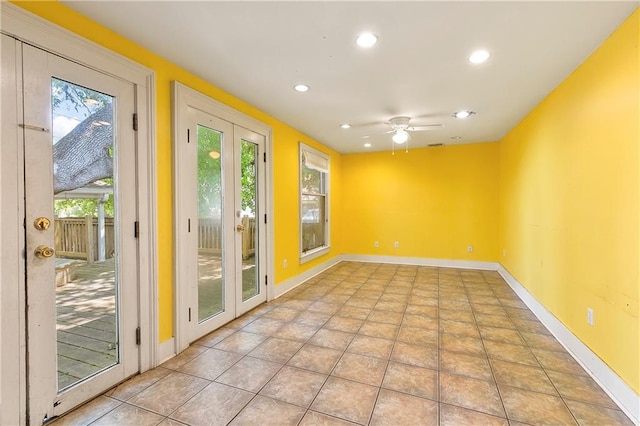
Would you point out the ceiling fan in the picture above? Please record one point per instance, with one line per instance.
(400, 128)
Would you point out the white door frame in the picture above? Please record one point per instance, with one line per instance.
(184, 97)
(24, 26)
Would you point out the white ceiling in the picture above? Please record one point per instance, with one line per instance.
(257, 51)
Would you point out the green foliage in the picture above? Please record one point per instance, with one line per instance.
(81, 207)
(210, 173)
(312, 182)
(248, 156)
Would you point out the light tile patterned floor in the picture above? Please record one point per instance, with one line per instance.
(366, 343)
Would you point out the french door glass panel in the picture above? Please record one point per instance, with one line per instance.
(250, 242)
(85, 211)
(207, 166)
(211, 248)
(81, 261)
(249, 184)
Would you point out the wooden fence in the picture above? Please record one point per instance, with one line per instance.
(72, 240)
(210, 236)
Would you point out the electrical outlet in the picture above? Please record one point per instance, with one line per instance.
(469, 249)
(376, 244)
(284, 263)
(396, 244)
(590, 316)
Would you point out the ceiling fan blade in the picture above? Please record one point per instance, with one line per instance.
(425, 127)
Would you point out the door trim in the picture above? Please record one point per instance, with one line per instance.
(183, 97)
(24, 26)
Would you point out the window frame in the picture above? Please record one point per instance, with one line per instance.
(308, 255)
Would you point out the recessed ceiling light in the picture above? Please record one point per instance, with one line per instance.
(345, 125)
(301, 87)
(456, 137)
(366, 40)
(479, 56)
(463, 114)
(367, 145)
(365, 137)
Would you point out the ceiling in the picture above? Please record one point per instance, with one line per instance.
(257, 51)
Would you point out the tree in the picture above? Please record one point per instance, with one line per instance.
(85, 154)
(248, 178)
(210, 173)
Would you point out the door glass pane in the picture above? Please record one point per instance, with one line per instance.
(85, 224)
(210, 224)
(248, 190)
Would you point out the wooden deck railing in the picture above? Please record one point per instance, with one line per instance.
(210, 236)
(72, 240)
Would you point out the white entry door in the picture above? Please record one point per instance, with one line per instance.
(80, 223)
(220, 202)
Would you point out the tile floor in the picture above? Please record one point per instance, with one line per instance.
(369, 344)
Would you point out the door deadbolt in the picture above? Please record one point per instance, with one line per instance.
(42, 223)
(43, 252)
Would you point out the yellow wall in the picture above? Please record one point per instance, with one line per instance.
(285, 161)
(569, 201)
(433, 201)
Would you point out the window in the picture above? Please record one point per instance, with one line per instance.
(314, 203)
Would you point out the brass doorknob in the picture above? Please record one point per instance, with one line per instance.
(43, 252)
(240, 228)
(41, 223)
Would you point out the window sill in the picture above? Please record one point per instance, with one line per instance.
(312, 254)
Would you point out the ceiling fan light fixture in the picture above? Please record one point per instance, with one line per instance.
(479, 56)
(463, 113)
(366, 40)
(400, 136)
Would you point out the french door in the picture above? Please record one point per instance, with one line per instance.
(222, 203)
(80, 201)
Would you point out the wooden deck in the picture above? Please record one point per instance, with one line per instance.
(86, 326)
(86, 306)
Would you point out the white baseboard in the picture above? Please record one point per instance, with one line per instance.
(166, 350)
(292, 283)
(623, 395)
(421, 261)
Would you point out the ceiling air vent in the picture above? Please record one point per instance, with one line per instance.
(431, 145)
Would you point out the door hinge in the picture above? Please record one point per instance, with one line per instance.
(188, 225)
(136, 229)
(138, 336)
(264, 156)
(265, 218)
(188, 135)
(135, 121)
(189, 314)
(266, 280)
